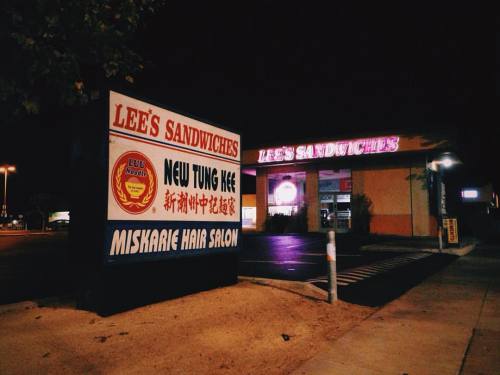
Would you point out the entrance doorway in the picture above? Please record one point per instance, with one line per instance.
(335, 199)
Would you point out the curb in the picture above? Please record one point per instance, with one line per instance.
(11, 234)
(458, 251)
(25, 305)
(298, 287)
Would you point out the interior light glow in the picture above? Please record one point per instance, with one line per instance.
(285, 193)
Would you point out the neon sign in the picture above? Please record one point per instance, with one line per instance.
(363, 146)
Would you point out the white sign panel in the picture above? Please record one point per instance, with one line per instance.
(173, 183)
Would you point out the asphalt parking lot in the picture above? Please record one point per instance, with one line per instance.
(298, 256)
(38, 266)
(364, 278)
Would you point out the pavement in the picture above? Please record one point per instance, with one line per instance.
(300, 257)
(424, 244)
(448, 324)
(9, 232)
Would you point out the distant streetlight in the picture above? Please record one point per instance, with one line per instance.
(5, 169)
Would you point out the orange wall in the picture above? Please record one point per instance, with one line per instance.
(391, 224)
(388, 189)
(248, 200)
(400, 201)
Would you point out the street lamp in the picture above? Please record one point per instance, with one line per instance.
(5, 169)
(445, 161)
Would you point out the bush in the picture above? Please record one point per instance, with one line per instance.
(280, 223)
(360, 213)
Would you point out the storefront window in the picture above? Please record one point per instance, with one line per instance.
(286, 193)
(248, 217)
(335, 199)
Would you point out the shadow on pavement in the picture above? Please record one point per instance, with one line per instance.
(381, 289)
(34, 267)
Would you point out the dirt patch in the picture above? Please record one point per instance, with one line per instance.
(242, 329)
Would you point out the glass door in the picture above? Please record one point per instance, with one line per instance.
(335, 199)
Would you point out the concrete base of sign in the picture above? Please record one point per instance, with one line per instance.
(120, 288)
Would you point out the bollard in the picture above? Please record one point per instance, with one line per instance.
(440, 238)
(331, 257)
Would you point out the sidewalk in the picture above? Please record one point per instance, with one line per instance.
(449, 324)
(427, 244)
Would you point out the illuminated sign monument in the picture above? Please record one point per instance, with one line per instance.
(363, 146)
(173, 184)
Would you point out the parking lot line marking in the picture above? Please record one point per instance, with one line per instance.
(353, 275)
(277, 261)
(323, 254)
(361, 273)
(348, 279)
(302, 244)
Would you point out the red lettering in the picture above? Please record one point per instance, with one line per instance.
(117, 122)
(214, 140)
(169, 133)
(222, 147)
(187, 134)
(195, 137)
(131, 123)
(178, 134)
(203, 139)
(143, 117)
(235, 148)
(154, 129)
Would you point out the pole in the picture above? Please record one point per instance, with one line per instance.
(440, 238)
(331, 257)
(439, 208)
(4, 207)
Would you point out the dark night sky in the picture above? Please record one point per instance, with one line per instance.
(280, 73)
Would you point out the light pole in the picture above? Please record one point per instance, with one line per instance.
(5, 169)
(444, 162)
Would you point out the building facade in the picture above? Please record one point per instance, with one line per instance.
(331, 182)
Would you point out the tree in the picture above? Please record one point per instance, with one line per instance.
(63, 52)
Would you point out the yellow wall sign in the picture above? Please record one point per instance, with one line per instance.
(452, 230)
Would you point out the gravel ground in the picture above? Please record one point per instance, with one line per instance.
(241, 329)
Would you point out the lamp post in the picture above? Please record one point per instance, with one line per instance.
(5, 169)
(444, 162)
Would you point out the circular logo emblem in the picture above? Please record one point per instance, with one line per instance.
(134, 182)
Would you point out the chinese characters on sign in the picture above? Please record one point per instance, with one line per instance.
(195, 203)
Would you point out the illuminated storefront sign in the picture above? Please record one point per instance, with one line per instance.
(363, 146)
(470, 193)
